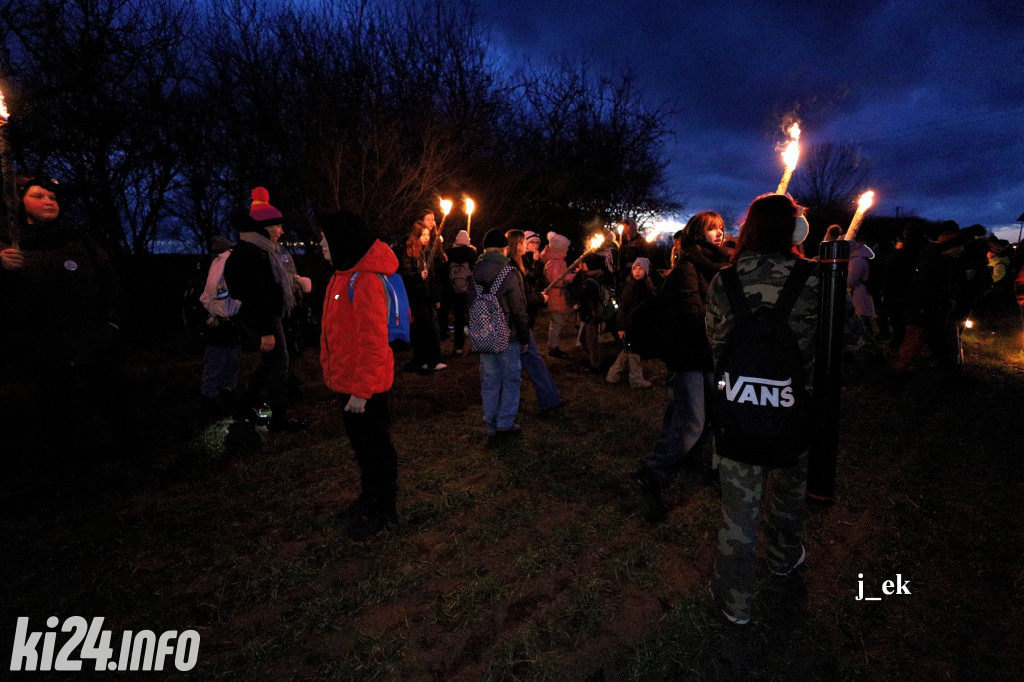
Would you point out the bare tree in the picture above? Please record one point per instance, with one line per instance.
(830, 176)
(98, 80)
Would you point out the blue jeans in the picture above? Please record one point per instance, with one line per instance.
(684, 422)
(500, 380)
(220, 369)
(540, 377)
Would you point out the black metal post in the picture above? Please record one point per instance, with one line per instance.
(828, 371)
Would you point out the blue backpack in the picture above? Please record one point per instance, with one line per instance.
(398, 308)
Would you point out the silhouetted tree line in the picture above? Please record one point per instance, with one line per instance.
(159, 116)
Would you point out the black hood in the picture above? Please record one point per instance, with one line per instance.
(348, 238)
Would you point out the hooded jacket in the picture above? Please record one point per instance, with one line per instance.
(510, 295)
(354, 352)
(554, 266)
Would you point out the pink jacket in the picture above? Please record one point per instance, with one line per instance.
(554, 266)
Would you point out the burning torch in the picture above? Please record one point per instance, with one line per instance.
(790, 155)
(470, 207)
(446, 208)
(593, 245)
(863, 204)
(7, 168)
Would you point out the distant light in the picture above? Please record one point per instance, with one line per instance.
(968, 324)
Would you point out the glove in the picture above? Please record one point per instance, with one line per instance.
(355, 404)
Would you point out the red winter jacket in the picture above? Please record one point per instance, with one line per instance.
(354, 351)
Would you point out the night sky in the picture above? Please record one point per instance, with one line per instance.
(932, 92)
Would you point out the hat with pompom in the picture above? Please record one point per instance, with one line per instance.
(261, 212)
(557, 243)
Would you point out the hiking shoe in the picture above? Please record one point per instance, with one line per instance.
(558, 353)
(365, 526)
(654, 507)
(613, 380)
(359, 507)
(502, 435)
(642, 384)
(547, 411)
(286, 424)
(251, 415)
(799, 562)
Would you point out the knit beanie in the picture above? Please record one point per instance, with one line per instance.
(348, 238)
(529, 235)
(44, 181)
(261, 212)
(645, 263)
(495, 239)
(557, 243)
(462, 238)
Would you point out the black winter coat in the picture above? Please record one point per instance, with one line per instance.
(685, 293)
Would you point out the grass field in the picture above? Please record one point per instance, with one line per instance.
(531, 561)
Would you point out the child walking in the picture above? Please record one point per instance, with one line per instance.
(638, 289)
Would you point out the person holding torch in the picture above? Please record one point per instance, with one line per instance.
(60, 302)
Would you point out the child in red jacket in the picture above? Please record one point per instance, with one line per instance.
(359, 365)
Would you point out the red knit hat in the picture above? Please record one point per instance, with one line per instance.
(261, 211)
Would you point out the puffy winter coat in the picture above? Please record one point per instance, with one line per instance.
(354, 352)
(554, 266)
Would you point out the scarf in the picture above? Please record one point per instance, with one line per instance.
(279, 263)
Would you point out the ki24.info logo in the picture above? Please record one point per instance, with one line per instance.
(142, 650)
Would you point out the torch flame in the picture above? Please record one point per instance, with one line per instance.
(4, 114)
(863, 204)
(446, 206)
(470, 206)
(791, 153)
(595, 242)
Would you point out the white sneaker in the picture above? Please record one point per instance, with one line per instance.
(438, 366)
(734, 620)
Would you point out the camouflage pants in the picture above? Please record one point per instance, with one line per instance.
(742, 489)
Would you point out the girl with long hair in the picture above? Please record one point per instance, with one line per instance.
(426, 340)
(548, 398)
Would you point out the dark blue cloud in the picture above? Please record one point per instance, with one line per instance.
(932, 92)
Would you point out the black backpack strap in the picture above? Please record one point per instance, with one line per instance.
(802, 269)
(734, 290)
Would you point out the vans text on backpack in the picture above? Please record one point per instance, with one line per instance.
(760, 406)
(488, 328)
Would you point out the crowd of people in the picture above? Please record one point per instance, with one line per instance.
(61, 292)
